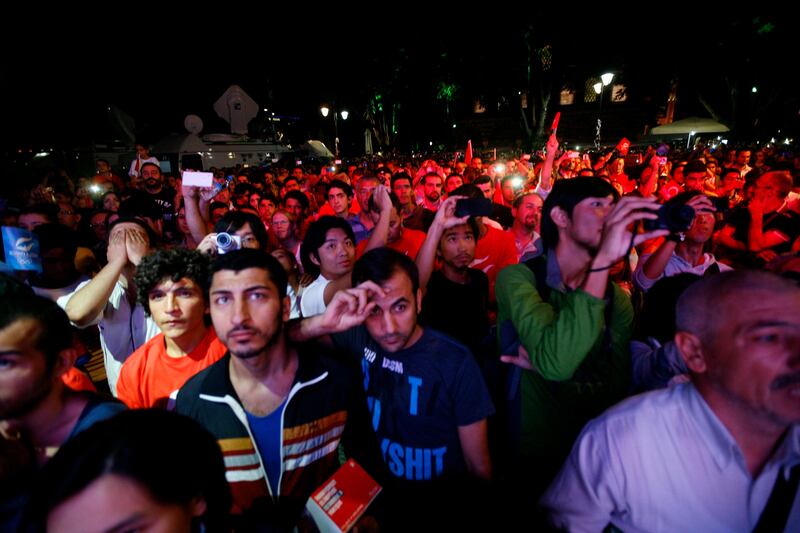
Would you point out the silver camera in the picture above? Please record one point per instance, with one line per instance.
(227, 243)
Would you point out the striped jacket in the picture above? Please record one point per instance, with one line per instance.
(324, 408)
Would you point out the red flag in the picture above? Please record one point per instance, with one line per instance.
(554, 127)
(468, 155)
(623, 146)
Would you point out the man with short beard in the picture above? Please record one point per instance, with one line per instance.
(153, 182)
(38, 413)
(278, 411)
(527, 211)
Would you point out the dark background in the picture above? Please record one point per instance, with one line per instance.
(60, 77)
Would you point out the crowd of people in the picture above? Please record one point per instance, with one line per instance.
(568, 341)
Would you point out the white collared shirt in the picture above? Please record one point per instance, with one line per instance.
(663, 461)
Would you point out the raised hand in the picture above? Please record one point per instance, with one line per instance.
(350, 307)
(137, 245)
(117, 252)
(208, 245)
(617, 233)
(381, 198)
(446, 214)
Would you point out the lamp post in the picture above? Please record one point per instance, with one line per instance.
(344, 114)
(598, 87)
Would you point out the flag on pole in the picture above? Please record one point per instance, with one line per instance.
(554, 127)
(468, 155)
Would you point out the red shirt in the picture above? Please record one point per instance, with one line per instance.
(494, 251)
(409, 243)
(77, 380)
(149, 375)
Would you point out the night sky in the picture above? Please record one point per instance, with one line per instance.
(170, 67)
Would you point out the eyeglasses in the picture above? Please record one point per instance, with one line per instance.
(66, 213)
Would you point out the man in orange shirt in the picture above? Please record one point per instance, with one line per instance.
(172, 288)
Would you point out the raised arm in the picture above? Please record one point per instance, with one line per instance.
(195, 218)
(88, 303)
(546, 183)
(380, 232)
(347, 309)
(445, 218)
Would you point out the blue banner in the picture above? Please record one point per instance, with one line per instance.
(22, 249)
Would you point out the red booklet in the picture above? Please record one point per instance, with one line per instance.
(341, 500)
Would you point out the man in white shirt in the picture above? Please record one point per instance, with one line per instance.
(109, 299)
(328, 250)
(706, 455)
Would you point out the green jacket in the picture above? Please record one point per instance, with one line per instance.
(580, 369)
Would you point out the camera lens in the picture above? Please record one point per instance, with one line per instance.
(224, 241)
(679, 217)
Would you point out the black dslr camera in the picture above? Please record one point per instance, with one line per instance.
(671, 216)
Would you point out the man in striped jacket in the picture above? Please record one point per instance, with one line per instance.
(278, 415)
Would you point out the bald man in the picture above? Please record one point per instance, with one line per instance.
(705, 455)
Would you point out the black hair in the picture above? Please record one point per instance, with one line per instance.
(480, 180)
(140, 205)
(301, 198)
(469, 190)
(339, 184)
(245, 258)
(56, 332)
(434, 174)
(49, 211)
(399, 176)
(315, 237)
(151, 235)
(694, 166)
(132, 445)
(380, 264)
(52, 236)
(175, 264)
(216, 205)
(235, 220)
(657, 317)
(151, 165)
(566, 194)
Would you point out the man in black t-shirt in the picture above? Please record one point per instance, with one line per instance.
(163, 196)
(457, 296)
(428, 401)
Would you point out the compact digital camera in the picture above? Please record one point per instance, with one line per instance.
(227, 243)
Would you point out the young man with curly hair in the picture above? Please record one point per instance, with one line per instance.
(172, 288)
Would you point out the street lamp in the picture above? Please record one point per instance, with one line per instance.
(598, 87)
(344, 114)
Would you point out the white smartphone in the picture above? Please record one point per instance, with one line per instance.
(198, 179)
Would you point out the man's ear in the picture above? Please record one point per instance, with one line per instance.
(65, 360)
(419, 300)
(287, 308)
(314, 258)
(198, 506)
(559, 217)
(691, 349)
